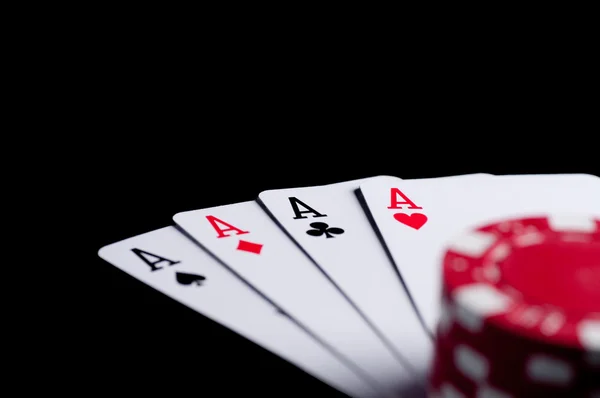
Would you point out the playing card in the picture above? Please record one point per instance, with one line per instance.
(172, 264)
(417, 218)
(328, 223)
(247, 241)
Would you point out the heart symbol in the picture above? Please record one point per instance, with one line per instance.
(414, 220)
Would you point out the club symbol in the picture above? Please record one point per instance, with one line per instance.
(321, 228)
(189, 279)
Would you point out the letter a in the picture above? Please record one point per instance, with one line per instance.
(295, 202)
(395, 204)
(221, 231)
(146, 257)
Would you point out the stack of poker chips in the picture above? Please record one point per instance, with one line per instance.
(521, 311)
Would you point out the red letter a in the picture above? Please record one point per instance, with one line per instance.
(395, 204)
(221, 231)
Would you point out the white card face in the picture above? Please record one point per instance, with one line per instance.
(245, 238)
(330, 225)
(172, 264)
(417, 218)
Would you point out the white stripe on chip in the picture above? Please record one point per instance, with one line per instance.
(589, 334)
(500, 252)
(471, 363)
(547, 370)
(529, 239)
(476, 302)
(489, 392)
(473, 244)
(445, 318)
(449, 391)
(571, 223)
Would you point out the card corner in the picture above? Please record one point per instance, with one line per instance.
(179, 215)
(103, 250)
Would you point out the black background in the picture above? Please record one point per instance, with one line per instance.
(139, 123)
(159, 153)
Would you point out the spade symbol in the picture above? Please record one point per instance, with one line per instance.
(321, 228)
(189, 279)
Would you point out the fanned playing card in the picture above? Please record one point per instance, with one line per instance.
(172, 264)
(248, 242)
(416, 218)
(328, 223)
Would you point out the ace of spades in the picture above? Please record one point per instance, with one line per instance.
(172, 264)
(158, 263)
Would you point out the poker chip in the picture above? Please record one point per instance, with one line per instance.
(521, 310)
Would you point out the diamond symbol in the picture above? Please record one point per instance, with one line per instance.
(249, 246)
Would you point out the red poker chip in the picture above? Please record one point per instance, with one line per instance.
(445, 380)
(510, 348)
(449, 379)
(521, 375)
(459, 367)
(521, 309)
(533, 277)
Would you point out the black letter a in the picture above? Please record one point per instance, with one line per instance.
(146, 257)
(295, 202)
